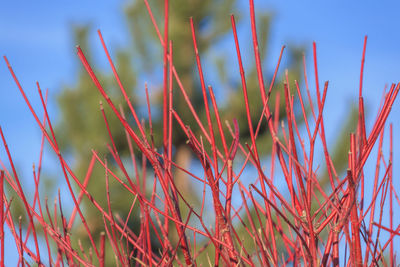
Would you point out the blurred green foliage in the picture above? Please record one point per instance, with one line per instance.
(82, 128)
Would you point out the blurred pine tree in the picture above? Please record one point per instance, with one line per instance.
(81, 127)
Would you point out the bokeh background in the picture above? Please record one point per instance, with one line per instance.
(37, 38)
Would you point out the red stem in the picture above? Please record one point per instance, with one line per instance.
(391, 193)
(102, 249)
(2, 237)
(22, 195)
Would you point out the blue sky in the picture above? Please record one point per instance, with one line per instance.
(36, 38)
